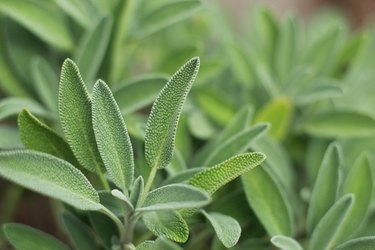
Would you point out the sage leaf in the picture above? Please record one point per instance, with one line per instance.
(318, 91)
(79, 234)
(329, 227)
(23, 237)
(159, 244)
(268, 200)
(104, 227)
(112, 204)
(168, 224)
(137, 191)
(9, 137)
(165, 113)
(50, 176)
(77, 122)
(183, 176)
(285, 243)
(363, 243)
(38, 136)
(82, 11)
(326, 186)
(112, 137)
(227, 229)
(174, 196)
(128, 206)
(211, 179)
(11, 106)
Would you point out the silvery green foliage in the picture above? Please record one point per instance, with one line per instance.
(97, 136)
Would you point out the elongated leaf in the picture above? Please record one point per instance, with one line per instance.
(11, 106)
(111, 203)
(183, 176)
(9, 138)
(37, 136)
(137, 191)
(227, 229)
(200, 126)
(159, 244)
(268, 200)
(318, 91)
(168, 224)
(82, 11)
(112, 137)
(341, 124)
(23, 237)
(139, 92)
(79, 234)
(127, 205)
(325, 233)
(165, 113)
(326, 186)
(363, 243)
(175, 196)
(237, 144)
(91, 49)
(285, 243)
(42, 19)
(50, 176)
(211, 179)
(76, 118)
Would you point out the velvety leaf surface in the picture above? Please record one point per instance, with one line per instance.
(50, 176)
(165, 113)
(137, 191)
(159, 244)
(285, 243)
(23, 237)
(363, 243)
(112, 137)
(169, 224)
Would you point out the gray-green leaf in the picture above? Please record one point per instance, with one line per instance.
(159, 244)
(285, 243)
(363, 243)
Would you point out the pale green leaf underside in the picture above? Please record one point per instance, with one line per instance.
(285, 243)
(162, 123)
(50, 176)
(23, 237)
(112, 136)
(363, 243)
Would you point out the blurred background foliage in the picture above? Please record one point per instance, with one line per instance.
(310, 75)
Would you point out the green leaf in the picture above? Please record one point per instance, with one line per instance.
(285, 243)
(23, 237)
(227, 229)
(37, 136)
(104, 227)
(318, 91)
(278, 112)
(11, 106)
(268, 200)
(159, 244)
(211, 179)
(183, 176)
(77, 122)
(112, 137)
(92, 48)
(137, 191)
(165, 113)
(326, 186)
(42, 19)
(329, 227)
(139, 92)
(169, 224)
(200, 126)
(339, 124)
(50, 176)
(175, 196)
(237, 144)
(363, 243)
(9, 137)
(82, 11)
(111, 203)
(79, 234)
(128, 206)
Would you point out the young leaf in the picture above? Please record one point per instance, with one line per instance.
(12, 106)
(112, 137)
(128, 206)
(37, 136)
(50, 176)
(165, 113)
(175, 196)
(159, 244)
(211, 179)
(363, 243)
(326, 186)
(137, 191)
(77, 122)
(268, 200)
(23, 237)
(285, 243)
(329, 227)
(227, 229)
(79, 234)
(169, 224)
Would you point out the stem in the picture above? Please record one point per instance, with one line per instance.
(149, 182)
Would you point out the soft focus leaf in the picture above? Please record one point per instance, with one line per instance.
(11, 106)
(137, 191)
(364, 243)
(159, 244)
(9, 138)
(104, 228)
(285, 243)
(83, 11)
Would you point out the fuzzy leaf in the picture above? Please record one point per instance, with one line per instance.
(112, 204)
(128, 206)
(76, 118)
(158, 244)
(169, 224)
(227, 229)
(183, 176)
(37, 136)
(137, 191)
(363, 243)
(285, 243)
(11, 106)
(175, 196)
(268, 200)
(112, 137)
(211, 179)
(23, 237)
(329, 227)
(165, 113)
(326, 186)
(50, 176)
